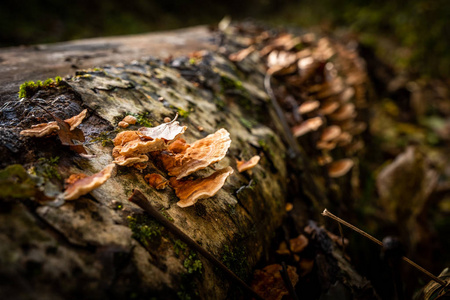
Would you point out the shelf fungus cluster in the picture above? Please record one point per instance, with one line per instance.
(66, 130)
(321, 86)
(179, 159)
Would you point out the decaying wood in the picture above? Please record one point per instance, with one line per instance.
(102, 246)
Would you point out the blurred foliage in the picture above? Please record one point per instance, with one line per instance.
(413, 33)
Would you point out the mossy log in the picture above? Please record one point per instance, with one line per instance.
(101, 245)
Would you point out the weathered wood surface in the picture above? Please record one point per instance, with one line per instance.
(39, 62)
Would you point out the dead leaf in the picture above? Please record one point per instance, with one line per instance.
(269, 284)
(168, 131)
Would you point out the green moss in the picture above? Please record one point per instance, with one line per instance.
(182, 113)
(166, 215)
(16, 183)
(143, 119)
(104, 138)
(29, 88)
(180, 248)
(192, 264)
(236, 260)
(144, 228)
(247, 123)
(48, 168)
(227, 83)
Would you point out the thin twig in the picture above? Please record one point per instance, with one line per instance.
(287, 281)
(326, 213)
(139, 199)
(287, 130)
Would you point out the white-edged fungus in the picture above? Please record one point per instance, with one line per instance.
(87, 184)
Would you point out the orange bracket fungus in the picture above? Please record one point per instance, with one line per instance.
(199, 155)
(308, 106)
(126, 161)
(243, 165)
(156, 181)
(85, 185)
(41, 130)
(340, 167)
(189, 191)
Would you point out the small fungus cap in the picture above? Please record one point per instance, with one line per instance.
(308, 106)
(190, 191)
(330, 133)
(156, 181)
(340, 167)
(243, 165)
(130, 120)
(306, 126)
(41, 130)
(87, 184)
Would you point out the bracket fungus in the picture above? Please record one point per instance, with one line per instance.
(340, 167)
(66, 130)
(156, 181)
(306, 126)
(190, 191)
(243, 165)
(41, 130)
(85, 185)
(127, 161)
(199, 155)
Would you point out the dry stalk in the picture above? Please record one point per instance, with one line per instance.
(326, 213)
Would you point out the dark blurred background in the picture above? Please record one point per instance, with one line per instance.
(413, 33)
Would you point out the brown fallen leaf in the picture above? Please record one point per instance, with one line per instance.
(269, 284)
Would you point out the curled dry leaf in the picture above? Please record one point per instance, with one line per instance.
(243, 165)
(189, 191)
(41, 130)
(198, 156)
(87, 184)
(167, 131)
(340, 167)
(269, 284)
(156, 181)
